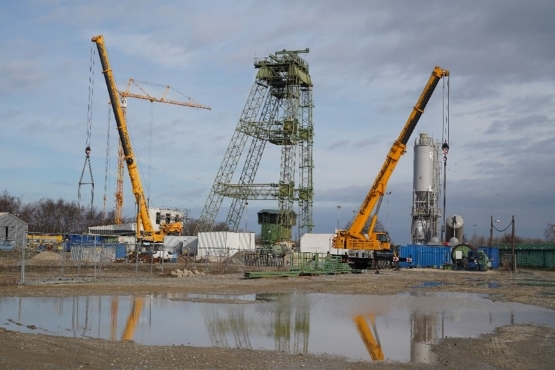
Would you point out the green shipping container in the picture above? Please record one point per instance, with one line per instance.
(530, 255)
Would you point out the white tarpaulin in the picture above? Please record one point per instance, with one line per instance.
(218, 245)
(181, 244)
(319, 243)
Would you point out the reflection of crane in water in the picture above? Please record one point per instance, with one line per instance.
(423, 332)
(114, 318)
(371, 340)
(133, 319)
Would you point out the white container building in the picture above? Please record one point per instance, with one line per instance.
(319, 243)
(217, 246)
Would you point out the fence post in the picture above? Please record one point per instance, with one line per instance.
(513, 243)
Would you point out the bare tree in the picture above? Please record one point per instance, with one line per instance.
(53, 216)
(9, 203)
(549, 232)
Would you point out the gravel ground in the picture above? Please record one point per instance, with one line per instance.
(509, 347)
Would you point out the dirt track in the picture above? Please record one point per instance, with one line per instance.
(517, 346)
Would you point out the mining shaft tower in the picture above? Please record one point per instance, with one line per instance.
(278, 111)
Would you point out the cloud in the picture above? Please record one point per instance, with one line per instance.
(369, 62)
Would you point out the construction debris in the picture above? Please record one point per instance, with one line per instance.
(186, 273)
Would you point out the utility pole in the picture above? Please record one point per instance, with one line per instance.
(22, 277)
(246, 216)
(338, 208)
(491, 232)
(513, 243)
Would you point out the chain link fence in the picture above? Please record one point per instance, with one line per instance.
(107, 261)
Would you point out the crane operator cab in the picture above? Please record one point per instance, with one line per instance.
(383, 238)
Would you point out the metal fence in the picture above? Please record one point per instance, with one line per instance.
(91, 261)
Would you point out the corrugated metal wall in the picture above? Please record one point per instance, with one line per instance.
(222, 244)
(530, 255)
(425, 255)
(437, 256)
(318, 243)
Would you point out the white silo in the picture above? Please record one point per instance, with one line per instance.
(454, 228)
(426, 190)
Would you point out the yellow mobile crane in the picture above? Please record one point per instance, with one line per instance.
(148, 234)
(363, 249)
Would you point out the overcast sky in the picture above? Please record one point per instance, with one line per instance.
(369, 61)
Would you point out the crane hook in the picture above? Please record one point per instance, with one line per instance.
(445, 148)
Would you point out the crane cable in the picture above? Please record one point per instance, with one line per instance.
(150, 130)
(89, 129)
(445, 149)
(502, 230)
(107, 166)
(139, 162)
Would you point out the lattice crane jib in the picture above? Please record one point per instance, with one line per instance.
(278, 111)
(138, 90)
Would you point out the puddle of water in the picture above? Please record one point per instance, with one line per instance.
(430, 284)
(400, 328)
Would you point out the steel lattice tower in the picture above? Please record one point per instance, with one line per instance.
(278, 111)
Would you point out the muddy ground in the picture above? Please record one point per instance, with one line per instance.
(510, 347)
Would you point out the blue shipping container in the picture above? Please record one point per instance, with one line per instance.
(83, 239)
(425, 255)
(121, 251)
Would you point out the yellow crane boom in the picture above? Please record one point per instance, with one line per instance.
(149, 234)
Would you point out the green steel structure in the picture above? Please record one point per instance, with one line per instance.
(278, 111)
